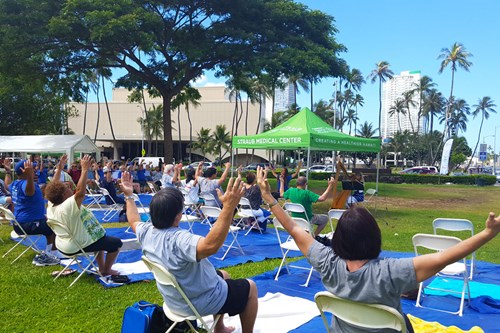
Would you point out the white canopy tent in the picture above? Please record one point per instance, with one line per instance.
(68, 144)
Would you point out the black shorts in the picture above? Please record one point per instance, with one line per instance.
(39, 227)
(237, 296)
(107, 243)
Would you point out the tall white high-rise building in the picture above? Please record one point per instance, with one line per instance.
(284, 98)
(393, 90)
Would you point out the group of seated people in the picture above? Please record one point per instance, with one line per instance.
(349, 267)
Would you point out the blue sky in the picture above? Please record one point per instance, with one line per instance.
(410, 36)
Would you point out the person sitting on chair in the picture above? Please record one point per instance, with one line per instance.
(5, 197)
(252, 193)
(357, 196)
(287, 178)
(306, 198)
(108, 183)
(353, 259)
(66, 207)
(185, 255)
(208, 183)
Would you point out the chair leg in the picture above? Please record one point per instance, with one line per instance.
(308, 278)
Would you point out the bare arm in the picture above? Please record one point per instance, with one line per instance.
(217, 235)
(297, 170)
(282, 185)
(177, 174)
(223, 177)
(127, 188)
(429, 264)
(81, 187)
(30, 181)
(59, 169)
(302, 238)
(8, 176)
(328, 192)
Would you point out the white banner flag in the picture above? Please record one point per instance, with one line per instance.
(445, 158)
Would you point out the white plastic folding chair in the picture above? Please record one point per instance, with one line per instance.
(296, 208)
(140, 209)
(335, 214)
(214, 212)
(457, 270)
(358, 314)
(20, 237)
(164, 278)
(61, 230)
(191, 212)
(369, 194)
(288, 244)
(113, 208)
(245, 212)
(456, 225)
(95, 197)
(152, 187)
(208, 201)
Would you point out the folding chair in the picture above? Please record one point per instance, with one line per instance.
(369, 194)
(152, 186)
(214, 212)
(190, 207)
(295, 208)
(455, 270)
(113, 209)
(95, 197)
(209, 199)
(456, 225)
(61, 230)
(245, 212)
(24, 236)
(141, 209)
(335, 214)
(163, 277)
(358, 314)
(288, 244)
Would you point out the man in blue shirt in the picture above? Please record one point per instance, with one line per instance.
(29, 210)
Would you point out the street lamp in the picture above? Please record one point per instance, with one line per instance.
(142, 130)
(494, 151)
(489, 136)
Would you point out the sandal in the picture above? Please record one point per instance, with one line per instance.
(66, 272)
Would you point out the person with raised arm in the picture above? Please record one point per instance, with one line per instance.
(185, 255)
(66, 207)
(209, 183)
(351, 267)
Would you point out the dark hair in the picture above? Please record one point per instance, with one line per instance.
(250, 177)
(54, 192)
(357, 236)
(209, 172)
(190, 174)
(165, 206)
(286, 171)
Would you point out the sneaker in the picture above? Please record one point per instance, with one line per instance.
(45, 260)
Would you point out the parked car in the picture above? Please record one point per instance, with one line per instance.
(253, 166)
(497, 173)
(319, 168)
(420, 170)
(194, 165)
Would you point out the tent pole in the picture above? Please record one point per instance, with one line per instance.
(307, 166)
(378, 168)
(232, 162)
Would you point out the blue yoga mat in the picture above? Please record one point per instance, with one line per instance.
(476, 288)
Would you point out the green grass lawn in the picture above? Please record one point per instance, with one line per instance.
(31, 302)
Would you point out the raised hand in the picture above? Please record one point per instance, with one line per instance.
(7, 164)
(127, 184)
(264, 186)
(28, 168)
(233, 194)
(85, 162)
(227, 165)
(62, 162)
(493, 224)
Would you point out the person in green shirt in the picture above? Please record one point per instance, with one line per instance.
(301, 195)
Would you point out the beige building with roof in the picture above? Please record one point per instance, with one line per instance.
(215, 109)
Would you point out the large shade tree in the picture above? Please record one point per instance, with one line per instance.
(163, 45)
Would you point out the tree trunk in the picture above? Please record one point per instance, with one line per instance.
(179, 150)
(85, 111)
(168, 149)
(477, 143)
(98, 112)
(190, 131)
(109, 114)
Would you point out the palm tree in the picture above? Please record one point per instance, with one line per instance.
(106, 74)
(296, 81)
(204, 142)
(422, 88)
(382, 72)
(192, 98)
(220, 140)
(354, 80)
(155, 123)
(351, 118)
(459, 110)
(409, 102)
(366, 130)
(324, 110)
(457, 56)
(398, 109)
(357, 101)
(433, 106)
(485, 106)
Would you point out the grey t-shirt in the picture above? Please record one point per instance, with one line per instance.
(210, 186)
(175, 249)
(379, 281)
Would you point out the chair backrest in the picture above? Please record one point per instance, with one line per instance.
(10, 216)
(335, 213)
(433, 242)
(373, 316)
(302, 223)
(210, 211)
(370, 191)
(164, 277)
(152, 187)
(295, 208)
(245, 203)
(453, 225)
(209, 198)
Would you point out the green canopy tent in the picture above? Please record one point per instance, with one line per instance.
(307, 131)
